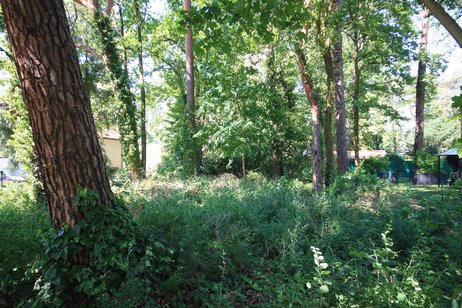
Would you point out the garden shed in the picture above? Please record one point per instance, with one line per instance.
(453, 160)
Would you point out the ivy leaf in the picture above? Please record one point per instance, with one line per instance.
(457, 101)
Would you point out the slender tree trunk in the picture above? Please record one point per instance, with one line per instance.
(460, 127)
(64, 132)
(139, 28)
(356, 93)
(190, 103)
(126, 118)
(356, 134)
(276, 157)
(122, 35)
(190, 98)
(244, 171)
(316, 150)
(395, 140)
(445, 19)
(339, 90)
(420, 86)
(328, 138)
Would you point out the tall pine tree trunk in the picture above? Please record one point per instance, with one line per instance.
(339, 90)
(420, 86)
(64, 132)
(139, 29)
(328, 138)
(316, 150)
(190, 97)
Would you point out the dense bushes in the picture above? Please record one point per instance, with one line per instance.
(426, 162)
(391, 161)
(259, 243)
(20, 219)
(374, 164)
(104, 259)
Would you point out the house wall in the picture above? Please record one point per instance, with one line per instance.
(113, 150)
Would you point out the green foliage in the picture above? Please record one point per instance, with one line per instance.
(251, 242)
(20, 219)
(180, 142)
(396, 162)
(102, 259)
(457, 101)
(230, 242)
(16, 133)
(351, 183)
(321, 277)
(374, 164)
(126, 118)
(426, 162)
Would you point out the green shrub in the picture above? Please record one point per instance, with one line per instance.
(396, 162)
(359, 181)
(426, 162)
(99, 260)
(373, 164)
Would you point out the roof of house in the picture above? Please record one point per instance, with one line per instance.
(363, 154)
(449, 152)
(110, 134)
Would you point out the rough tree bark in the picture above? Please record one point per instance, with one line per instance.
(63, 128)
(328, 138)
(329, 111)
(420, 86)
(445, 19)
(339, 90)
(139, 29)
(316, 151)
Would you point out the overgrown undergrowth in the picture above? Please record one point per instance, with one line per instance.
(227, 242)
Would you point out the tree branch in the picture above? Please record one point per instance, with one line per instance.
(445, 19)
(93, 52)
(9, 55)
(90, 5)
(109, 6)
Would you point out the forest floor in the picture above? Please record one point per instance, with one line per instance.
(228, 242)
